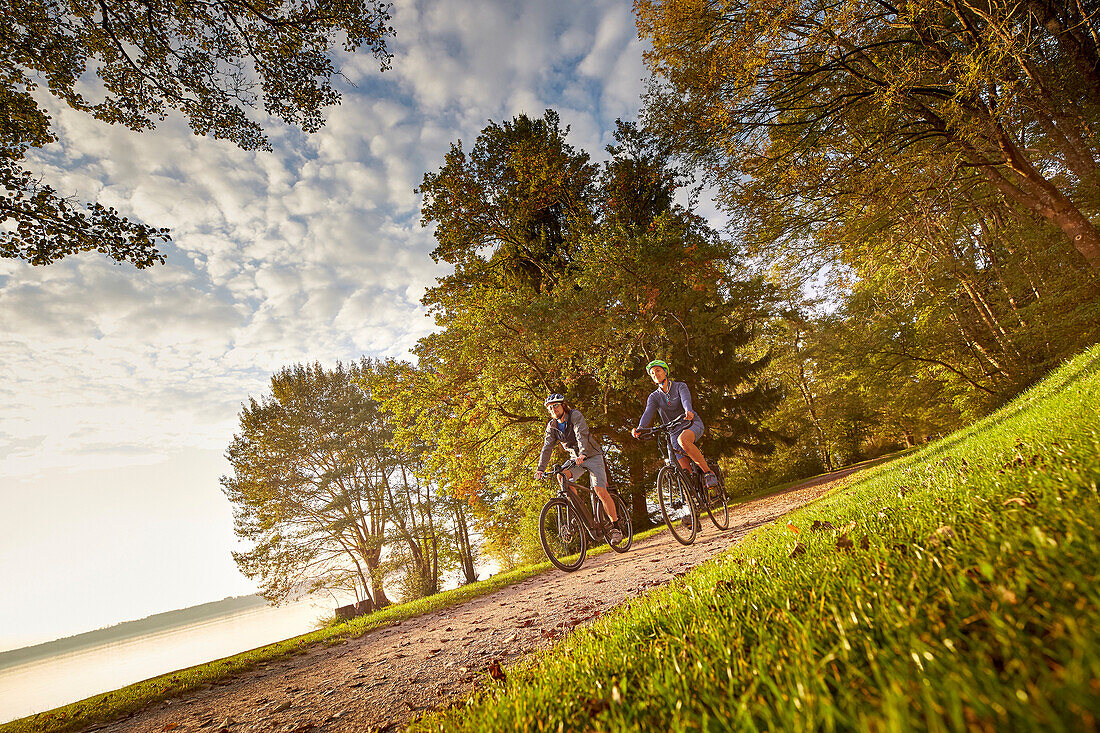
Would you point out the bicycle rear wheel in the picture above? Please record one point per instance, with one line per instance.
(561, 535)
(677, 505)
(624, 524)
(718, 503)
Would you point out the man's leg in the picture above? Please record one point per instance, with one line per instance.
(597, 472)
(687, 444)
(608, 502)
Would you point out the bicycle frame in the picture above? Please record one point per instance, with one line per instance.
(663, 434)
(573, 498)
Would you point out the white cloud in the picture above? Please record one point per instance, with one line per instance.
(310, 252)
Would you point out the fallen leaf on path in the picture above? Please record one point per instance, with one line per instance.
(793, 528)
(818, 526)
(496, 672)
(799, 549)
(943, 534)
(848, 527)
(595, 705)
(1018, 501)
(865, 544)
(170, 726)
(844, 543)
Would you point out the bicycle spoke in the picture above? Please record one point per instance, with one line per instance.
(561, 535)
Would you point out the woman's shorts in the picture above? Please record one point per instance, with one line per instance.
(595, 466)
(695, 426)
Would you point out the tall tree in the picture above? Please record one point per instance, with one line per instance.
(429, 505)
(632, 275)
(308, 484)
(783, 99)
(210, 61)
(512, 208)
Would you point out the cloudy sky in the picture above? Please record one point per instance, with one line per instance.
(121, 388)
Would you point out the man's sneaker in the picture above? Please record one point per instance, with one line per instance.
(710, 480)
(615, 536)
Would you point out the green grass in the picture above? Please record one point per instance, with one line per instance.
(118, 703)
(966, 599)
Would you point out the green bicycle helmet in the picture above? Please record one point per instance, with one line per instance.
(656, 362)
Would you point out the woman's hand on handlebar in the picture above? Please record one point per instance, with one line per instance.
(539, 475)
(689, 416)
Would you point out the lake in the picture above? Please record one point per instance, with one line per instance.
(64, 678)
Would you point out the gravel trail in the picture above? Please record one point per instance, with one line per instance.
(383, 679)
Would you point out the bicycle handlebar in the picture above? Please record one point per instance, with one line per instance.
(559, 469)
(650, 433)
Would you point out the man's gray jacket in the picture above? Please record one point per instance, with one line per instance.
(575, 438)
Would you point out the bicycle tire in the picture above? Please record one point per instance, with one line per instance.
(625, 526)
(718, 502)
(564, 542)
(671, 488)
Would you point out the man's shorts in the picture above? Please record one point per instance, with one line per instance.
(695, 426)
(594, 465)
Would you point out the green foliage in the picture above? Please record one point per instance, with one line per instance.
(928, 171)
(211, 62)
(952, 589)
(810, 105)
(569, 278)
(510, 212)
(309, 485)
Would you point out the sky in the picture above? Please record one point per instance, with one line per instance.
(120, 388)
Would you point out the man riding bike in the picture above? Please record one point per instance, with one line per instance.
(568, 427)
(671, 400)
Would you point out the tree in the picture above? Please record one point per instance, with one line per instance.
(309, 484)
(430, 528)
(522, 192)
(210, 61)
(794, 102)
(579, 308)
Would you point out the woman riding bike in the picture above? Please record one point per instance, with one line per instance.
(671, 400)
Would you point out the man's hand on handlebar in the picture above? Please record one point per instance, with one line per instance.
(635, 432)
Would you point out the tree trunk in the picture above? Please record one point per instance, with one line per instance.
(639, 488)
(379, 593)
(811, 407)
(1042, 197)
(465, 547)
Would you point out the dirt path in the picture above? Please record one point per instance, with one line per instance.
(381, 680)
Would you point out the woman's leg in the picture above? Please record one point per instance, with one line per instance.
(686, 439)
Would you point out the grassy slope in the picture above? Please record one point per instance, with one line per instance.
(968, 600)
(119, 703)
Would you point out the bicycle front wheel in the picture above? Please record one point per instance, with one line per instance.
(677, 505)
(718, 502)
(561, 535)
